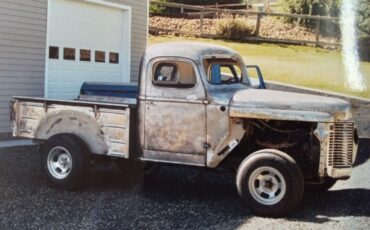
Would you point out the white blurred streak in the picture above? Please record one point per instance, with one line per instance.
(355, 80)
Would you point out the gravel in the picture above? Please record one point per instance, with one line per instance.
(172, 198)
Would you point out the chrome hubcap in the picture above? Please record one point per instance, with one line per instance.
(59, 162)
(267, 185)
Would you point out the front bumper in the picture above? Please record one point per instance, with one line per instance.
(339, 144)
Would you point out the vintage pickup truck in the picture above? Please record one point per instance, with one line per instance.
(196, 105)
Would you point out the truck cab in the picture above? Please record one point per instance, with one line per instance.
(196, 105)
(184, 102)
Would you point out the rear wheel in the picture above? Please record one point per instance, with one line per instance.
(270, 182)
(65, 160)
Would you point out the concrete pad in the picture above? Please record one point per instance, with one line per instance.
(15, 143)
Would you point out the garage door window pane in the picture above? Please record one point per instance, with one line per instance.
(53, 52)
(113, 58)
(69, 54)
(99, 56)
(85, 55)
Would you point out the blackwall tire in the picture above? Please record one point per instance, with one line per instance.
(65, 161)
(271, 183)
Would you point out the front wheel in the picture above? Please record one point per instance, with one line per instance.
(270, 182)
(65, 160)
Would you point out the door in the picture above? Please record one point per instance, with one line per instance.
(175, 113)
(87, 42)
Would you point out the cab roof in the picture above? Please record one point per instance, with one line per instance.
(191, 50)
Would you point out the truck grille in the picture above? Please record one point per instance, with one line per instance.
(341, 145)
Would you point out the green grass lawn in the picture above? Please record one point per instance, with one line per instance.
(298, 65)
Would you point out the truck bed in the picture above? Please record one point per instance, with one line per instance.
(103, 126)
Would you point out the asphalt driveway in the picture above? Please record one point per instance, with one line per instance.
(173, 198)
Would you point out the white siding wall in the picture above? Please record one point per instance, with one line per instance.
(22, 52)
(22, 48)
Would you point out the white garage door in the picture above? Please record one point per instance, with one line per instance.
(87, 41)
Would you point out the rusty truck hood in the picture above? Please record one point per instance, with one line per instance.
(270, 104)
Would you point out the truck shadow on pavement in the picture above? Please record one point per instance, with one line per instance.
(322, 208)
(187, 197)
(363, 152)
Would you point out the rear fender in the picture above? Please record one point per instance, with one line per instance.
(73, 122)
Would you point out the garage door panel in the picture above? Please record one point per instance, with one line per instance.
(83, 34)
(82, 25)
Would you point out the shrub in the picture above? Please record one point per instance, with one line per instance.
(234, 29)
(206, 2)
(154, 8)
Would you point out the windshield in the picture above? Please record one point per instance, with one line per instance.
(225, 72)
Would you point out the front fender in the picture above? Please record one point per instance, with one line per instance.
(279, 114)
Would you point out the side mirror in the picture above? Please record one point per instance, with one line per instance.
(255, 72)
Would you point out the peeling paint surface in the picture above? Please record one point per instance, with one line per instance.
(301, 105)
(104, 129)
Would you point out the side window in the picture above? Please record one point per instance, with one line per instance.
(176, 74)
(223, 73)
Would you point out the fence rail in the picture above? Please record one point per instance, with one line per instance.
(229, 6)
(202, 11)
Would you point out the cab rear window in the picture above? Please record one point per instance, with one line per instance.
(175, 74)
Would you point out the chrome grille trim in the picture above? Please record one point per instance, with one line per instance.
(341, 145)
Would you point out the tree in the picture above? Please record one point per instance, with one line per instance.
(314, 7)
(363, 26)
(363, 19)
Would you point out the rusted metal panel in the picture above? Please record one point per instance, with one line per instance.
(175, 118)
(323, 134)
(101, 99)
(360, 106)
(226, 143)
(194, 51)
(223, 134)
(175, 127)
(279, 114)
(115, 125)
(269, 104)
(104, 127)
(174, 158)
